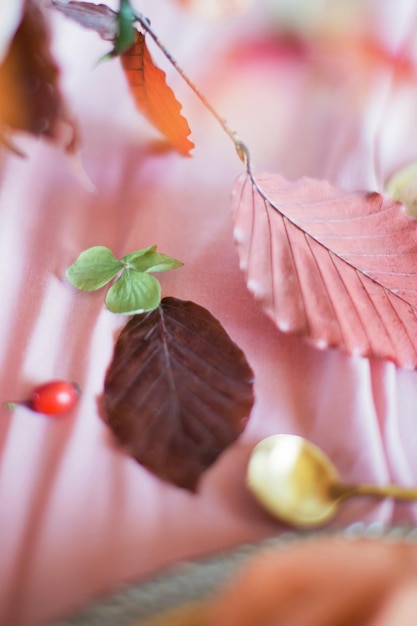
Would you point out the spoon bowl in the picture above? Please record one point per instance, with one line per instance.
(297, 483)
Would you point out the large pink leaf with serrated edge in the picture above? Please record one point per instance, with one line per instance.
(334, 266)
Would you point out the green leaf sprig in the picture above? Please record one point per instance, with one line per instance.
(135, 290)
(126, 32)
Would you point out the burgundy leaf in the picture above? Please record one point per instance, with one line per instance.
(30, 99)
(98, 17)
(178, 391)
(334, 266)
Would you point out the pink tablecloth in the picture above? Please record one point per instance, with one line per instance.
(77, 516)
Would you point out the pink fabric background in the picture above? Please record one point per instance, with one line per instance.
(77, 517)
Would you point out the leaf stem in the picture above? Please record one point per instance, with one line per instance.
(241, 148)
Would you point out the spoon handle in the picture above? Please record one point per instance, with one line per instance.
(378, 491)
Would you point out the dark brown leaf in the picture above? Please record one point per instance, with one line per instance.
(30, 99)
(178, 391)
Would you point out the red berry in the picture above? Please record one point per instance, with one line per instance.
(54, 398)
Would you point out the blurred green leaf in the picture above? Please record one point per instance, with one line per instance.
(402, 187)
(133, 292)
(94, 268)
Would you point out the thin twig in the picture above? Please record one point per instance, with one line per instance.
(241, 149)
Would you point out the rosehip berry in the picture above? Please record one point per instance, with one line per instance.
(54, 398)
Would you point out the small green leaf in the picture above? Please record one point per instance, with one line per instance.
(94, 268)
(148, 260)
(129, 259)
(106, 57)
(134, 292)
(126, 33)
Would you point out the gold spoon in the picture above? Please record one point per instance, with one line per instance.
(296, 482)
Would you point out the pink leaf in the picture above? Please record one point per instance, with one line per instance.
(334, 266)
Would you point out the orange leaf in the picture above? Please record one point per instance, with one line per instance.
(153, 98)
